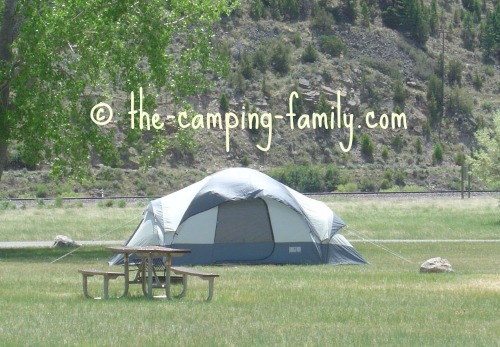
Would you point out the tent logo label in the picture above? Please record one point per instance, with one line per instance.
(295, 250)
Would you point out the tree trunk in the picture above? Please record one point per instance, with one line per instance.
(3, 157)
(8, 33)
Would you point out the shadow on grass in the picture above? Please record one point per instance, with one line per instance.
(42, 254)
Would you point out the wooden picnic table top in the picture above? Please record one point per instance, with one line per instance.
(147, 249)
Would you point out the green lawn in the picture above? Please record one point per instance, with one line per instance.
(442, 218)
(385, 303)
(79, 223)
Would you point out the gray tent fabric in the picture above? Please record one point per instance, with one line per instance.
(240, 215)
(238, 184)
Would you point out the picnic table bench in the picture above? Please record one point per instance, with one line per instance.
(108, 275)
(185, 272)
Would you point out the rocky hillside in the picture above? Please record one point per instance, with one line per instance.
(382, 61)
(374, 68)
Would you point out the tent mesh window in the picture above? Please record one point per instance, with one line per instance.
(245, 221)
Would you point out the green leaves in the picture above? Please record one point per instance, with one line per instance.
(72, 54)
(486, 159)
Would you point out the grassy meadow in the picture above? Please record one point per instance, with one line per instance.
(385, 303)
(79, 223)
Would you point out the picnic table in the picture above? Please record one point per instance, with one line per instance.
(147, 253)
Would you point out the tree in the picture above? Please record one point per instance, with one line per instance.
(246, 66)
(399, 97)
(260, 59)
(365, 14)
(468, 32)
(437, 154)
(323, 106)
(224, 103)
(322, 20)
(332, 45)
(58, 59)
(310, 55)
(410, 16)
(257, 10)
(455, 69)
(298, 103)
(433, 18)
(435, 99)
(348, 11)
(439, 70)
(280, 56)
(367, 146)
(490, 34)
(486, 159)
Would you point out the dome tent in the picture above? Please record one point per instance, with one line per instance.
(240, 215)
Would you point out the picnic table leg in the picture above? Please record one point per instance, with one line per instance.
(106, 286)
(143, 276)
(184, 286)
(127, 273)
(168, 264)
(210, 289)
(85, 286)
(150, 275)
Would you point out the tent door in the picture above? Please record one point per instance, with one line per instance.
(243, 232)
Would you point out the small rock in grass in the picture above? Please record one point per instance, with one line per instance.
(437, 264)
(64, 241)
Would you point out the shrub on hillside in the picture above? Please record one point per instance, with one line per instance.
(385, 152)
(386, 184)
(246, 66)
(397, 143)
(322, 20)
(257, 10)
(260, 61)
(367, 185)
(399, 97)
(224, 103)
(418, 146)
(41, 191)
(455, 68)
(310, 55)
(331, 45)
(280, 57)
(347, 188)
(367, 145)
(308, 179)
(348, 11)
(437, 154)
(459, 102)
(399, 178)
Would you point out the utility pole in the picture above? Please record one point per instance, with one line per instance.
(462, 170)
(469, 174)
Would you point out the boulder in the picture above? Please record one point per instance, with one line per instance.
(304, 83)
(64, 241)
(437, 264)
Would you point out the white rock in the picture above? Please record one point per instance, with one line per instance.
(64, 241)
(437, 264)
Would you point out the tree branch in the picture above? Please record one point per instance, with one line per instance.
(178, 20)
(4, 85)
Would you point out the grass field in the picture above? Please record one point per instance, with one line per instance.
(442, 218)
(386, 303)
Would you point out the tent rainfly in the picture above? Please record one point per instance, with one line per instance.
(240, 215)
